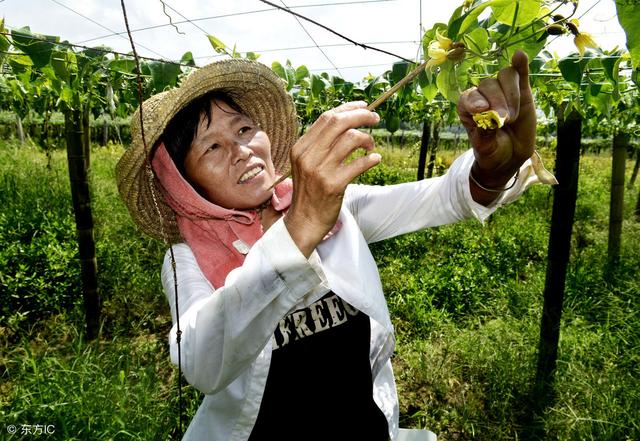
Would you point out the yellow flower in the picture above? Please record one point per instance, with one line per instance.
(489, 120)
(438, 50)
(583, 41)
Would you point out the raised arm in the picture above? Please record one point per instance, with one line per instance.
(225, 329)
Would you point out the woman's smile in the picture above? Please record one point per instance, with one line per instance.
(251, 174)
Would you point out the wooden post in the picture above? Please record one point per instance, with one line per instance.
(424, 148)
(44, 139)
(86, 136)
(636, 167)
(616, 206)
(564, 204)
(435, 138)
(81, 198)
(637, 211)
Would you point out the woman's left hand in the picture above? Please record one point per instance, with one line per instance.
(499, 153)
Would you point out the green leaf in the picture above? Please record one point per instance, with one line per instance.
(49, 74)
(471, 17)
(430, 92)
(217, 45)
(531, 46)
(427, 86)
(4, 42)
(20, 63)
(317, 86)
(398, 72)
(64, 63)
(279, 70)
(291, 75)
(82, 62)
(66, 96)
(144, 69)
(629, 18)
(18, 89)
(599, 99)
(451, 81)
(611, 66)
(302, 73)
(123, 65)
(251, 56)
(572, 68)
(98, 52)
(375, 87)
(37, 47)
(477, 40)
(534, 67)
(164, 75)
(187, 58)
(574, 105)
(515, 12)
(454, 23)
(337, 82)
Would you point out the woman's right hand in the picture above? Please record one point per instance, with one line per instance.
(320, 174)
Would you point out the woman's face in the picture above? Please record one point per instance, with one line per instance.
(229, 162)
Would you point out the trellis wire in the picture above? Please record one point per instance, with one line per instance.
(99, 24)
(233, 14)
(314, 41)
(364, 46)
(150, 176)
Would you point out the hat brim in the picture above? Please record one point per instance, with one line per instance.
(257, 90)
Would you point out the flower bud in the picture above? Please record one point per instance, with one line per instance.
(556, 29)
(456, 54)
(573, 28)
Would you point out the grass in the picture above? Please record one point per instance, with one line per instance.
(465, 301)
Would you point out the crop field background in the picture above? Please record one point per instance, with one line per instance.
(466, 302)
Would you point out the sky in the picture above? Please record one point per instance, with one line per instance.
(250, 25)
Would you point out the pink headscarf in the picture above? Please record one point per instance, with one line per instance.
(219, 237)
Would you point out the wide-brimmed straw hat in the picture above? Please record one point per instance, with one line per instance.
(255, 88)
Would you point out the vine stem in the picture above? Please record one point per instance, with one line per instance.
(381, 99)
(410, 76)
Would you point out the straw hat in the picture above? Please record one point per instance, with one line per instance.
(257, 90)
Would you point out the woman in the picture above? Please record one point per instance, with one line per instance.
(285, 328)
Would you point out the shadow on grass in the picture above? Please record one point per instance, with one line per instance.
(535, 406)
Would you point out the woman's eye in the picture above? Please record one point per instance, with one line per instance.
(243, 130)
(213, 147)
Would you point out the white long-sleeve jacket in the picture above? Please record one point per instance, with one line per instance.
(227, 331)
